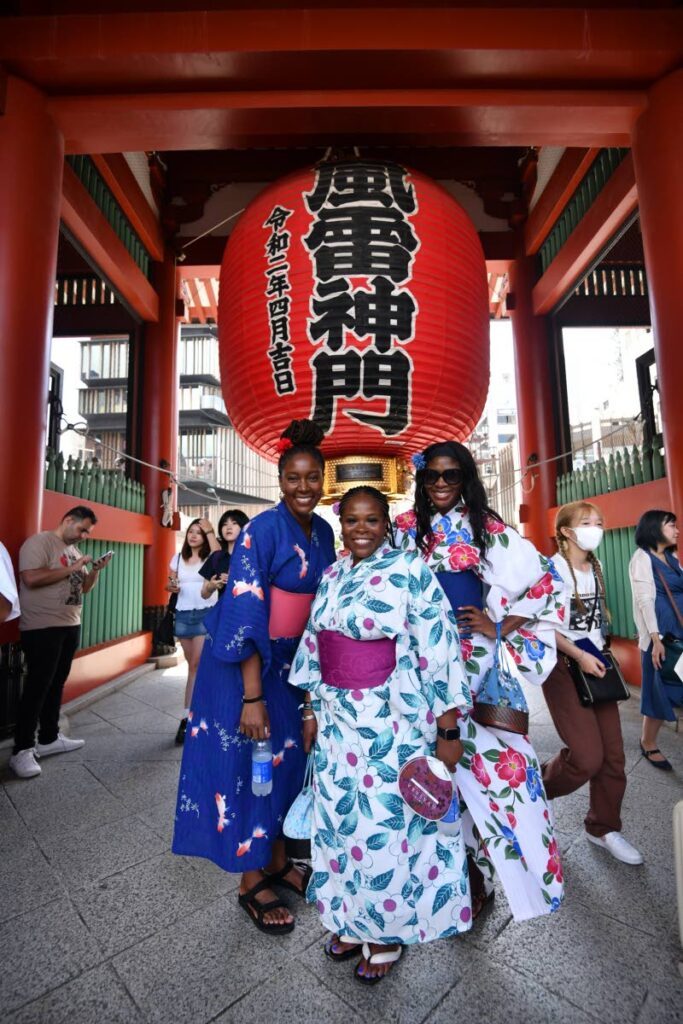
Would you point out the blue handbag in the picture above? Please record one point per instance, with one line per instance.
(298, 824)
(500, 703)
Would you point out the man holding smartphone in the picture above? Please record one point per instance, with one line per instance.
(53, 579)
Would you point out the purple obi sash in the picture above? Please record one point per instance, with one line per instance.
(355, 664)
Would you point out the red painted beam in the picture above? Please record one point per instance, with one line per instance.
(564, 181)
(583, 39)
(472, 117)
(617, 200)
(90, 228)
(624, 508)
(627, 654)
(116, 172)
(97, 665)
(112, 523)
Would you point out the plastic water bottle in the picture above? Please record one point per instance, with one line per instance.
(261, 767)
(450, 824)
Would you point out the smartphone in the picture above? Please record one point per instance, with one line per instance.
(106, 554)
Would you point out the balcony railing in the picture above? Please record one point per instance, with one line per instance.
(88, 481)
(592, 183)
(625, 468)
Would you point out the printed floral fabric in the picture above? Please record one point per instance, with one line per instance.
(506, 820)
(217, 816)
(517, 580)
(382, 873)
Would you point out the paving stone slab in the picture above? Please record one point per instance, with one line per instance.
(117, 745)
(118, 705)
(41, 950)
(199, 966)
(291, 996)
(597, 961)
(85, 855)
(27, 881)
(499, 995)
(125, 908)
(65, 796)
(97, 997)
(137, 784)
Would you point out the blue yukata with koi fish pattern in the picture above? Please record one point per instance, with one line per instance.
(217, 816)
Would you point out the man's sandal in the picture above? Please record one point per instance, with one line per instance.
(346, 954)
(278, 877)
(375, 959)
(256, 911)
(663, 765)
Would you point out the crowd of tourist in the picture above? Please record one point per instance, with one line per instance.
(406, 650)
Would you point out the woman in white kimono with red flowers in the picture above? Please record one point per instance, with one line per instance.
(492, 576)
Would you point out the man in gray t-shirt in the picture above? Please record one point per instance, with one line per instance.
(53, 579)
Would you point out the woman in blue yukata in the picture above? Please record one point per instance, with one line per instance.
(241, 692)
(381, 662)
(492, 576)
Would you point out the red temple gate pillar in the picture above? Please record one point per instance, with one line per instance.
(31, 166)
(658, 158)
(534, 406)
(159, 411)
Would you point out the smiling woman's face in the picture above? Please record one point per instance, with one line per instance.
(301, 483)
(363, 526)
(443, 482)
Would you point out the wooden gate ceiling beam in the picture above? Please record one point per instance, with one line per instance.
(529, 76)
(162, 121)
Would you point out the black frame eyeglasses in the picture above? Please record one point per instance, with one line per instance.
(449, 476)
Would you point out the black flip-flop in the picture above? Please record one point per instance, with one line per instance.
(256, 910)
(664, 766)
(278, 877)
(347, 954)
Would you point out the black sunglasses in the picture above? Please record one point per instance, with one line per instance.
(449, 476)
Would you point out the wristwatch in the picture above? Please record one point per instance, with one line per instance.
(448, 734)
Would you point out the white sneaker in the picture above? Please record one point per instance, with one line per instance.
(24, 763)
(62, 745)
(615, 844)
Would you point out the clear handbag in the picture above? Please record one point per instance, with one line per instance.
(500, 703)
(298, 824)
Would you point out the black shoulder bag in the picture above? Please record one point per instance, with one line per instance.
(597, 689)
(164, 635)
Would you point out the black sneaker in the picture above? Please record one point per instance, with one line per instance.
(180, 735)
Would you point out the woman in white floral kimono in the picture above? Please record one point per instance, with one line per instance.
(380, 659)
(492, 575)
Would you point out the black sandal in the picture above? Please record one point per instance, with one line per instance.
(664, 765)
(347, 954)
(256, 910)
(278, 877)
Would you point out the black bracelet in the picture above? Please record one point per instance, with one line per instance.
(252, 700)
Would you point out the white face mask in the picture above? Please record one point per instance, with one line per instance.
(588, 537)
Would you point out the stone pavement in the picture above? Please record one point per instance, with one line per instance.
(100, 923)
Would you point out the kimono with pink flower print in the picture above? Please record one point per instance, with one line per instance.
(507, 823)
(382, 873)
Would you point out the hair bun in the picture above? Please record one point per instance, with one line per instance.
(304, 432)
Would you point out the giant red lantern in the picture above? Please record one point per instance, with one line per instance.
(355, 293)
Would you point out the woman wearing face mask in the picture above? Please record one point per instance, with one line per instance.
(657, 587)
(242, 694)
(492, 577)
(594, 748)
(217, 566)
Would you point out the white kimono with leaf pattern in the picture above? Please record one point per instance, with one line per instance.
(382, 873)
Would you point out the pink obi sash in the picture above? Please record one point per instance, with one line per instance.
(288, 613)
(355, 664)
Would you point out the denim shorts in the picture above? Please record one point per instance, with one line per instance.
(190, 623)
